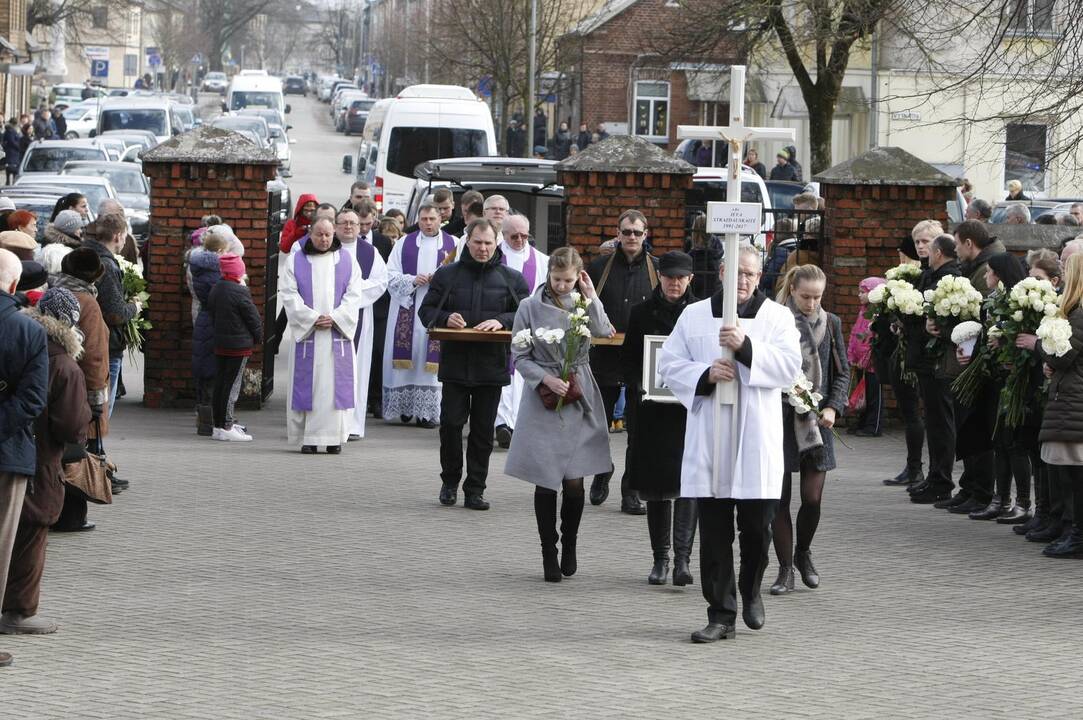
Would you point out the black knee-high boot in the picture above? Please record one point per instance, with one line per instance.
(659, 519)
(545, 512)
(684, 533)
(571, 512)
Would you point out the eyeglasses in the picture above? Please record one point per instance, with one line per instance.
(519, 236)
(628, 232)
(349, 223)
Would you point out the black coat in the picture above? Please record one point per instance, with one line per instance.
(786, 171)
(478, 292)
(13, 147)
(658, 428)
(515, 142)
(382, 307)
(24, 386)
(115, 310)
(918, 357)
(1063, 418)
(627, 285)
(236, 320)
(205, 275)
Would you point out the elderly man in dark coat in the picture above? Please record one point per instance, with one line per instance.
(624, 278)
(64, 420)
(656, 442)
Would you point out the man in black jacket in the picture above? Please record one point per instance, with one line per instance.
(444, 200)
(476, 292)
(367, 215)
(624, 279)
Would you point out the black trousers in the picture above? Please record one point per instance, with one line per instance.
(477, 404)
(610, 396)
(906, 397)
(939, 429)
(716, 532)
(228, 369)
(871, 415)
(376, 369)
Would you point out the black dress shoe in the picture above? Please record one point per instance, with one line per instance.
(930, 495)
(752, 612)
(803, 562)
(475, 502)
(599, 488)
(87, 525)
(631, 505)
(955, 500)
(354, 437)
(989, 512)
(1017, 514)
(426, 424)
(971, 505)
(784, 583)
(1046, 533)
(902, 478)
(334, 449)
(1036, 521)
(405, 418)
(503, 436)
(660, 571)
(1069, 546)
(118, 481)
(377, 413)
(714, 632)
(308, 449)
(920, 487)
(449, 495)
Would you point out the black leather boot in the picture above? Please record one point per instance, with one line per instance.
(1070, 545)
(784, 583)
(995, 506)
(599, 488)
(659, 524)
(685, 514)
(571, 512)
(545, 512)
(802, 560)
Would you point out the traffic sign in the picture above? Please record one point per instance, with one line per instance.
(99, 68)
(485, 86)
(154, 60)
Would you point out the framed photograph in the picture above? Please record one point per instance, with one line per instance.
(653, 388)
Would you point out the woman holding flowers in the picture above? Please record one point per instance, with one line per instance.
(1061, 436)
(808, 442)
(561, 433)
(860, 355)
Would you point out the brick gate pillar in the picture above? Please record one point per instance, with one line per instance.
(203, 172)
(873, 202)
(622, 173)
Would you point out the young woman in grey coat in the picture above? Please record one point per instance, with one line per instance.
(808, 440)
(550, 449)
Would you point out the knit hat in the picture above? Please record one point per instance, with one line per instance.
(61, 304)
(783, 153)
(68, 222)
(83, 264)
(235, 245)
(908, 248)
(52, 257)
(34, 276)
(6, 203)
(232, 266)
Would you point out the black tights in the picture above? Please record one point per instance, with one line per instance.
(808, 517)
(572, 487)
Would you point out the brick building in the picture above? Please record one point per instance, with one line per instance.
(616, 78)
(15, 79)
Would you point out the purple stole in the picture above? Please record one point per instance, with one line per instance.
(530, 267)
(304, 358)
(366, 254)
(402, 354)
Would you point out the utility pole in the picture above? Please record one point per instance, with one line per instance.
(529, 144)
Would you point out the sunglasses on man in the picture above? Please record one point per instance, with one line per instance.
(628, 232)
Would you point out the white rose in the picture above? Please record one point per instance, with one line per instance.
(1038, 304)
(584, 331)
(1050, 309)
(1017, 316)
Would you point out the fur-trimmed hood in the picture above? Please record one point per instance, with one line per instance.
(69, 282)
(54, 235)
(66, 337)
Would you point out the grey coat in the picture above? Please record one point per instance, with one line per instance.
(546, 447)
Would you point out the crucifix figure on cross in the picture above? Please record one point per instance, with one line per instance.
(735, 135)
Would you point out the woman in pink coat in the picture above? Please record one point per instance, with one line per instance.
(859, 352)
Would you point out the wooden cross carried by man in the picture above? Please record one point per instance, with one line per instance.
(725, 218)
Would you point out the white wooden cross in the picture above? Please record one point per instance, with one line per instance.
(736, 135)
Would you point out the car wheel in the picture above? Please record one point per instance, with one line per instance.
(71, 135)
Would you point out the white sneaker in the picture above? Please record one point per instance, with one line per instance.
(238, 435)
(218, 434)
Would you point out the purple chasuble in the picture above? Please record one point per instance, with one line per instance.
(402, 354)
(530, 268)
(304, 358)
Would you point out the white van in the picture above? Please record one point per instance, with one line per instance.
(422, 123)
(139, 113)
(255, 91)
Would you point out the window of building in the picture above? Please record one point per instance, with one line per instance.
(652, 110)
(99, 17)
(1031, 16)
(1025, 154)
(131, 65)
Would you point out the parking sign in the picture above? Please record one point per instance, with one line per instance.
(99, 68)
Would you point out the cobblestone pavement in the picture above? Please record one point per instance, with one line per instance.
(249, 581)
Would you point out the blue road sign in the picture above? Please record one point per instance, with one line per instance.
(99, 68)
(485, 86)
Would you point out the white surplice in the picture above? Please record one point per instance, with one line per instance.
(511, 393)
(377, 274)
(324, 424)
(776, 363)
(413, 392)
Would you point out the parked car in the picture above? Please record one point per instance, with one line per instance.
(40, 200)
(341, 100)
(1037, 208)
(69, 92)
(129, 182)
(145, 139)
(337, 87)
(81, 119)
(279, 140)
(95, 188)
(156, 114)
(294, 85)
(215, 82)
(252, 123)
(49, 156)
(710, 185)
(356, 115)
(323, 87)
(188, 119)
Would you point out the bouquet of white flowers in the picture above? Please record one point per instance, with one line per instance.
(965, 335)
(894, 300)
(1056, 335)
(803, 399)
(907, 272)
(578, 332)
(135, 290)
(952, 301)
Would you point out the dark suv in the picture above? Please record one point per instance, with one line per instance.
(294, 85)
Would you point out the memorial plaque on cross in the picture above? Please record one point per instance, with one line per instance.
(726, 220)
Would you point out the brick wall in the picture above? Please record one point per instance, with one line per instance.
(181, 194)
(594, 200)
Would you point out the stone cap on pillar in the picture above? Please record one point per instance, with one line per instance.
(625, 154)
(211, 145)
(885, 166)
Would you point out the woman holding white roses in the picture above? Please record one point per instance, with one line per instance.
(807, 439)
(554, 448)
(1061, 435)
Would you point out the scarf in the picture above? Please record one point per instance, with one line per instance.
(859, 350)
(812, 328)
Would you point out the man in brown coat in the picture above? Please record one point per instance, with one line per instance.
(64, 420)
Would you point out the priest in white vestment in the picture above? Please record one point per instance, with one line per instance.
(372, 266)
(411, 360)
(748, 478)
(322, 293)
(518, 254)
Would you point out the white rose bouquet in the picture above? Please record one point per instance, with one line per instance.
(578, 332)
(804, 399)
(895, 300)
(1056, 335)
(135, 290)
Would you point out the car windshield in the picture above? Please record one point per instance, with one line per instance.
(75, 113)
(362, 105)
(782, 195)
(124, 181)
(52, 159)
(135, 119)
(703, 192)
(216, 76)
(256, 126)
(411, 146)
(242, 99)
